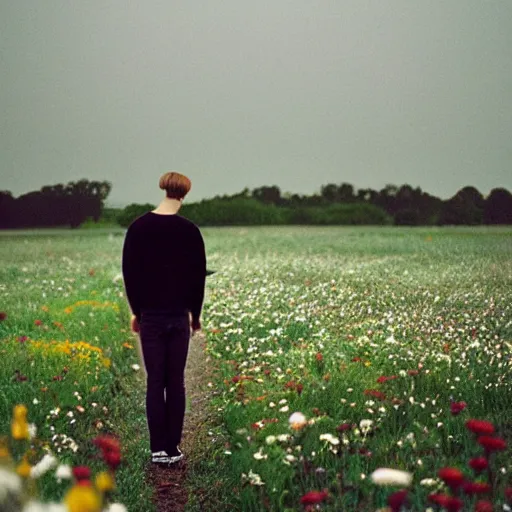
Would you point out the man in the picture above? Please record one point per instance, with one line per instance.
(164, 270)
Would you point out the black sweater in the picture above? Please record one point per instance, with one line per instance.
(164, 264)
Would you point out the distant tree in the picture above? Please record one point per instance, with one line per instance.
(268, 195)
(330, 192)
(465, 207)
(133, 211)
(346, 193)
(498, 207)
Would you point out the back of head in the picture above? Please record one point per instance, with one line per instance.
(176, 185)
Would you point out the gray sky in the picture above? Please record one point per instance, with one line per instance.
(245, 93)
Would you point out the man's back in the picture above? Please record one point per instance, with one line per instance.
(164, 264)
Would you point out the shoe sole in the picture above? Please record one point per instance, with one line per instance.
(167, 460)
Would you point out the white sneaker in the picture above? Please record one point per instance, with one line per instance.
(163, 457)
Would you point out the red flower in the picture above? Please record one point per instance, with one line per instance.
(22, 339)
(439, 499)
(447, 502)
(37, 322)
(319, 356)
(383, 379)
(412, 373)
(314, 497)
(476, 487)
(397, 500)
(356, 359)
(107, 443)
(480, 427)
(299, 388)
(81, 473)
(457, 407)
(235, 379)
(492, 444)
(478, 464)
(375, 393)
(483, 506)
(112, 458)
(3, 315)
(344, 427)
(452, 477)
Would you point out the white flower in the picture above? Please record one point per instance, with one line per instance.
(365, 424)
(135, 367)
(253, 478)
(329, 438)
(11, 483)
(284, 409)
(283, 437)
(259, 455)
(63, 472)
(297, 420)
(270, 439)
(386, 476)
(43, 466)
(428, 482)
(116, 507)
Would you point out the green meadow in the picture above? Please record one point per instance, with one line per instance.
(386, 340)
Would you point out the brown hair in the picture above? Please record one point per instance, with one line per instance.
(175, 185)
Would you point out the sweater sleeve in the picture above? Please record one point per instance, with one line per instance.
(197, 274)
(131, 271)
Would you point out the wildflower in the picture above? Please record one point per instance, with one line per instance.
(451, 476)
(478, 464)
(37, 322)
(480, 427)
(386, 476)
(135, 367)
(365, 425)
(254, 478)
(63, 472)
(3, 316)
(116, 507)
(19, 425)
(11, 483)
(297, 421)
(314, 497)
(81, 473)
(483, 506)
(492, 444)
(259, 455)
(270, 439)
(450, 503)
(476, 487)
(329, 438)
(24, 468)
(457, 407)
(104, 482)
(82, 498)
(43, 466)
(397, 500)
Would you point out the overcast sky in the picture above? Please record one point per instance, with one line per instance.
(245, 93)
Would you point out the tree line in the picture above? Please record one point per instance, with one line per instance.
(84, 202)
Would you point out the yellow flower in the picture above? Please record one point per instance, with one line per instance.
(45, 309)
(68, 310)
(367, 363)
(105, 482)
(4, 450)
(82, 498)
(24, 468)
(106, 362)
(19, 425)
(20, 412)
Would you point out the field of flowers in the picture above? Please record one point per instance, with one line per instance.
(337, 352)
(342, 351)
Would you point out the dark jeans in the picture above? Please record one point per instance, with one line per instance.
(164, 339)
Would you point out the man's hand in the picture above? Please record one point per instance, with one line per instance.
(134, 324)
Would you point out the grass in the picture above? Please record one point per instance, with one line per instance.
(297, 319)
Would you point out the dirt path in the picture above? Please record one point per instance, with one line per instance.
(169, 483)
